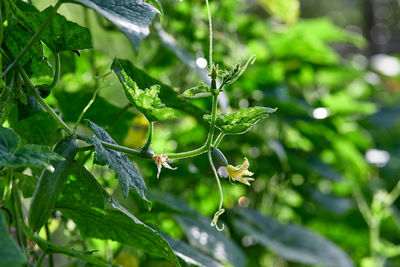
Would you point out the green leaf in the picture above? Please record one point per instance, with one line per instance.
(60, 34)
(147, 100)
(9, 141)
(291, 242)
(26, 156)
(10, 254)
(133, 17)
(167, 94)
(202, 90)
(101, 111)
(240, 121)
(287, 10)
(35, 155)
(210, 241)
(190, 255)
(34, 60)
(98, 215)
(126, 173)
(36, 129)
(342, 103)
(229, 77)
(307, 40)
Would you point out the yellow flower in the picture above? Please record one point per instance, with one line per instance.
(161, 160)
(238, 173)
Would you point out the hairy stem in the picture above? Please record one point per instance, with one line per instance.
(85, 109)
(41, 258)
(149, 137)
(220, 210)
(41, 101)
(50, 257)
(210, 36)
(57, 73)
(19, 219)
(1, 25)
(34, 38)
(213, 119)
(219, 139)
(7, 188)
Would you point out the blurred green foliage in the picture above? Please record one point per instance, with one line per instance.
(326, 161)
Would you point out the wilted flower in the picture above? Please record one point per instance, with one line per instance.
(237, 173)
(161, 161)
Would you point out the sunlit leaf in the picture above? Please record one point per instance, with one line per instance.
(147, 100)
(60, 34)
(229, 77)
(126, 173)
(291, 242)
(10, 254)
(34, 60)
(133, 17)
(202, 90)
(240, 121)
(98, 215)
(167, 94)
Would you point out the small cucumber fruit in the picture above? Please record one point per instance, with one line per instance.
(50, 184)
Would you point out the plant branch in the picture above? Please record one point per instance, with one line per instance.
(221, 194)
(192, 153)
(219, 139)
(43, 103)
(362, 205)
(19, 219)
(34, 38)
(149, 136)
(50, 257)
(85, 109)
(57, 73)
(210, 63)
(7, 188)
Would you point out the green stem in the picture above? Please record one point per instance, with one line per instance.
(221, 200)
(219, 139)
(86, 108)
(374, 239)
(7, 188)
(149, 136)
(19, 219)
(40, 260)
(395, 193)
(210, 63)
(1, 25)
(362, 204)
(188, 154)
(50, 257)
(41, 101)
(210, 136)
(34, 38)
(57, 73)
(124, 149)
(213, 119)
